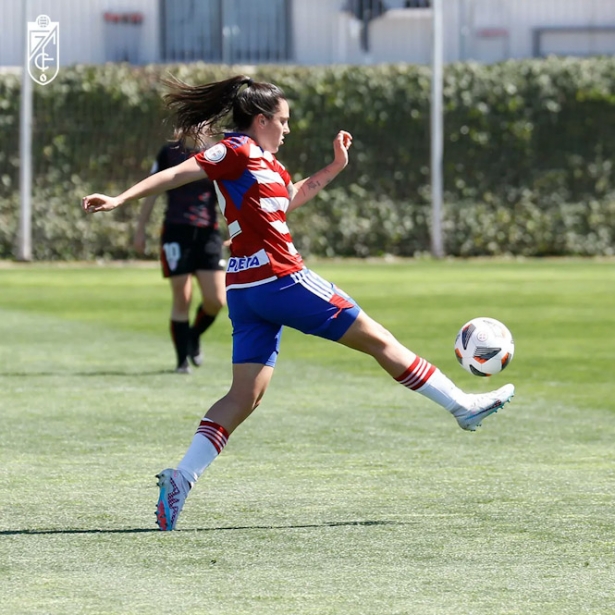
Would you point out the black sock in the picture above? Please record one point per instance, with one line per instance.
(202, 322)
(180, 333)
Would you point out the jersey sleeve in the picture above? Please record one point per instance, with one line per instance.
(284, 174)
(222, 161)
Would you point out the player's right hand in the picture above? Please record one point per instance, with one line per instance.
(99, 202)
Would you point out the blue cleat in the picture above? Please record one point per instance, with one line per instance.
(174, 489)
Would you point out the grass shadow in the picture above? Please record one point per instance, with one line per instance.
(367, 523)
(124, 374)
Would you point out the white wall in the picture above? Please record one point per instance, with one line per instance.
(520, 17)
(397, 36)
(323, 34)
(315, 31)
(485, 30)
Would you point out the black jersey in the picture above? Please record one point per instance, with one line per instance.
(194, 203)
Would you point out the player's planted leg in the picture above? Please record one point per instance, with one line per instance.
(250, 381)
(207, 443)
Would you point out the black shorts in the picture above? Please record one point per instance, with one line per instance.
(185, 249)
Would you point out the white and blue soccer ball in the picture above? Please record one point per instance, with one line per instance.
(484, 346)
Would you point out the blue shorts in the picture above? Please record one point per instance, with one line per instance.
(302, 300)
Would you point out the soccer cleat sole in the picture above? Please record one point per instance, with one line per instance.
(162, 517)
(488, 412)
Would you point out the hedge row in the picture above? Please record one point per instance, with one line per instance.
(344, 222)
(528, 156)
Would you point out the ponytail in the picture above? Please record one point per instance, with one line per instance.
(196, 108)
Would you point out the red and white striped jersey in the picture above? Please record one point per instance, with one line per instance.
(253, 196)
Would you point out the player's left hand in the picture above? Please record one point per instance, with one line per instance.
(99, 202)
(341, 145)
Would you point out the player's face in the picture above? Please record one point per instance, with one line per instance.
(273, 130)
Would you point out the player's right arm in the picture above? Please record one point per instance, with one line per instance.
(173, 177)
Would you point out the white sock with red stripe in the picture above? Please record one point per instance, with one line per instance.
(428, 380)
(207, 443)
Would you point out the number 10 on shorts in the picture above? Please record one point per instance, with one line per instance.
(172, 253)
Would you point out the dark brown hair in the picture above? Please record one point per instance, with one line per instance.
(195, 107)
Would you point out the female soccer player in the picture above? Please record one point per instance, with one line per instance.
(191, 245)
(268, 286)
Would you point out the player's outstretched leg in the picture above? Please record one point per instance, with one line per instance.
(417, 374)
(469, 409)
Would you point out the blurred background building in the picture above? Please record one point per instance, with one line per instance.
(310, 32)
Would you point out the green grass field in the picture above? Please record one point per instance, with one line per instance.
(344, 494)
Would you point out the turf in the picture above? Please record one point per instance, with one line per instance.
(344, 493)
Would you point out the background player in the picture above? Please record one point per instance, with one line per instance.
(191, 244)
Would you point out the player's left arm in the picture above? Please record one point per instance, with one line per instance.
(305, 189)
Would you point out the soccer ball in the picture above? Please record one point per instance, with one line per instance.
(484, 346)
